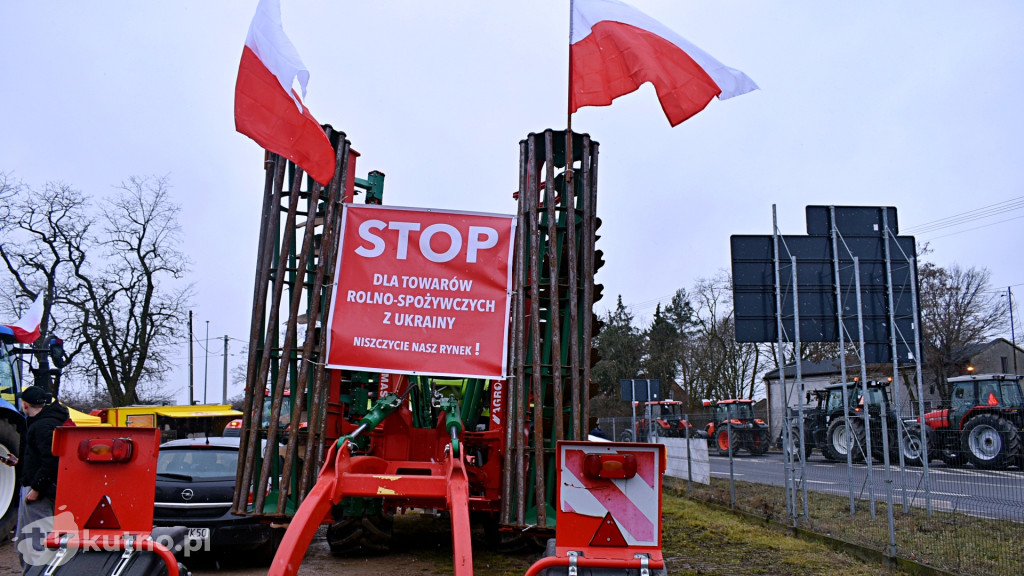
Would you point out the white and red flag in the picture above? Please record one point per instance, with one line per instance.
(615, 48)
(267, 107)
(26, 329)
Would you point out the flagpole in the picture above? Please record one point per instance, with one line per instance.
(568, 133)
(569, 101)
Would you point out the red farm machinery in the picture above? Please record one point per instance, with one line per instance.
(494, 451)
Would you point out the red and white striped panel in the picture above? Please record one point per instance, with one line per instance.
(633, 504)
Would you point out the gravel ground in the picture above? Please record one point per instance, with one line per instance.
(422, 546)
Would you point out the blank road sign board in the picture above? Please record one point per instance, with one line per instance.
(861, 234)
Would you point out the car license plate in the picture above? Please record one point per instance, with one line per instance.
(198, 534)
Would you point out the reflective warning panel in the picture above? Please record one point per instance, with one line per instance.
(609, 494)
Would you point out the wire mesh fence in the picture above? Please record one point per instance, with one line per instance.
(866, 483)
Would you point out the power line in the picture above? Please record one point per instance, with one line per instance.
(968, 216)
(976, 228)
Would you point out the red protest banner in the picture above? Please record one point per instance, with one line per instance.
(422, 291)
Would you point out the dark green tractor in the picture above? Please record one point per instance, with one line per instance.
(836, 432)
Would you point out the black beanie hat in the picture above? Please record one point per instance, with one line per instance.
(36, 396)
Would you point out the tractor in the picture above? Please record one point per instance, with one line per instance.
(734, 428)
(827, 429)
(982, 423)
(669, 422)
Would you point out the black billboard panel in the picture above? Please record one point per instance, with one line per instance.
(861, 235)
(850, 220)
(637, 390)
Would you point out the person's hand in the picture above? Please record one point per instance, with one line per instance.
(10, 459)
(32, 496)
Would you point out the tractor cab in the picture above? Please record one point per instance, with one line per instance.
(741, 410)
(988, 392)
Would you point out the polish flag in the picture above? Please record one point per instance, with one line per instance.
(615, 49)
(267, 108)
(26, 329)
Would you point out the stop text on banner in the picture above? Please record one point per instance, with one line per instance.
(421, 291)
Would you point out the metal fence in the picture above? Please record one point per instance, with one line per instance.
(957, 517)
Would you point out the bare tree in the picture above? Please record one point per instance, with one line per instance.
(958, 309)
(715, 365)
(39, 230)
(113, 275)
(131, 312)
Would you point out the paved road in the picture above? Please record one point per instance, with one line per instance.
(982, 493)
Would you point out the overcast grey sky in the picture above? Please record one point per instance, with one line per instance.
(912, 104)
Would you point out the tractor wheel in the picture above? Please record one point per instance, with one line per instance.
(726, 442)
(361, 535)
(626, 435)
(910, 444)
(797, 443)
(837, 441)
(9, 476)
(759, 442)
(990, 442)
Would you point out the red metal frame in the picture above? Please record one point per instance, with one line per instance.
(344, 475)
(106, 503)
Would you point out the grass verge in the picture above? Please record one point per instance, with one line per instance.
(948, 541)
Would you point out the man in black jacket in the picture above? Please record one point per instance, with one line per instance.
(39, 471)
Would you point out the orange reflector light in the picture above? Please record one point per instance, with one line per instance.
(609, 466)
(236, 423)
(105, 450)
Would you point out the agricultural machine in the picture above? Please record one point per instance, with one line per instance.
(983, 423)
(734, 428)
(502, 452)
(836, 431)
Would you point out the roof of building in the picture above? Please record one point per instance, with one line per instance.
(807, 368)
(831, 367)
(970, 351)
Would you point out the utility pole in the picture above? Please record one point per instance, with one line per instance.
(191, 379)
(1013, 333)
(225, 395)
(206, 363)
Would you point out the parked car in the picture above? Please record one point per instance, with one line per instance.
(195, 486)
(233, 429)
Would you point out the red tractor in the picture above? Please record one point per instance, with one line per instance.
(982, 423)
(669, 421)
(735, 428)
